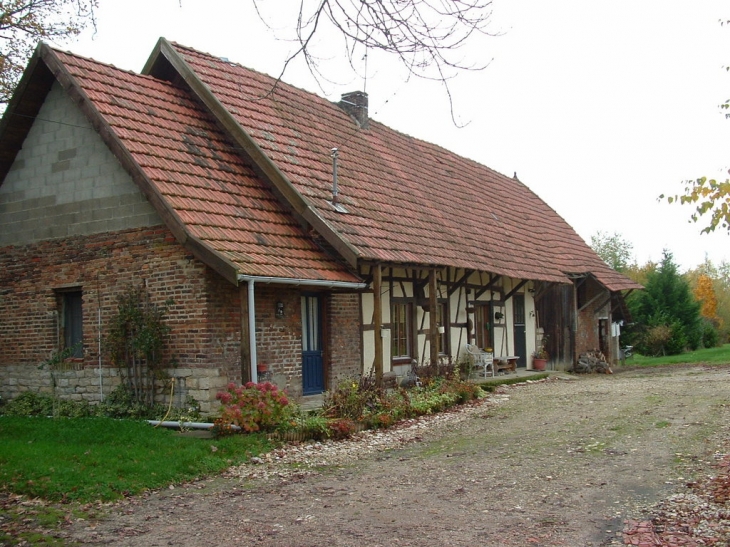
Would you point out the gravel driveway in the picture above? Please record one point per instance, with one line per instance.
(567, 461)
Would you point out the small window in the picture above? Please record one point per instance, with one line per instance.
(71, 332)
(401, 336)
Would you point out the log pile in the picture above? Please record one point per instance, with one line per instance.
(592, 361)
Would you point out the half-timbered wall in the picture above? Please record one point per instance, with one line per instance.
(459, 295)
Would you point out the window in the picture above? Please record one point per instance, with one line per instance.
(483, 324)
(401, 332)
(71, 331)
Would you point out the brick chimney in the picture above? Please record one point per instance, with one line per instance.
(355, 103)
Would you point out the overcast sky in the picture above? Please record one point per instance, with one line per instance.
(599, 107)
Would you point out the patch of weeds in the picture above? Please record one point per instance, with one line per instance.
(662, 424)
(594, 448)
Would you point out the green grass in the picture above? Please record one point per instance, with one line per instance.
(710, 356)
(91, 459)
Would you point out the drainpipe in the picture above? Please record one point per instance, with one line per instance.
(252, 330)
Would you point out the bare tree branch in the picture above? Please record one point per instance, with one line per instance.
(426, 36)
(25, 22)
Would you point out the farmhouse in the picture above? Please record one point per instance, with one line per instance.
(285, 230)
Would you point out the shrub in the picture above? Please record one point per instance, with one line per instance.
(353, 398)
(252, 407)
(710, 335)
(29, 403)
(121, 403)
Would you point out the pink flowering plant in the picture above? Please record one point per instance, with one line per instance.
(252, 407)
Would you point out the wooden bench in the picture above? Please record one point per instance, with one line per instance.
(506, 362)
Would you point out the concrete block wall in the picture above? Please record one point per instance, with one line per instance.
(66, 182)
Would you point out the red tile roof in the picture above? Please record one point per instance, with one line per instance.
(408, 201)
(202, 179)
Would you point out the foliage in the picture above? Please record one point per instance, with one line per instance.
(361, 400)
(711, 199)
(666, 302)
(352, 398)
(29, 403)
(136, 341)
(121, 403)
(93, 459)
(705, 294)
(614, 250)
(25, 22)
(720, 278)
(710, 334)
(252, 407)
(118, 404)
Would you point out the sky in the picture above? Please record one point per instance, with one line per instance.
(599, 107)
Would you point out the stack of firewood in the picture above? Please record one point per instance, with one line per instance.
(592, 361)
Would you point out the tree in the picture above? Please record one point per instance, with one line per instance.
(666, 311)
(718, 292)
(24, 22)
(615, 251)
(425, 35)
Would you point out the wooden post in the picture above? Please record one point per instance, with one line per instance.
(433, 326)
(378, 322)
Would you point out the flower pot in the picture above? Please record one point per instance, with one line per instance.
(539, 364)
(261, 368)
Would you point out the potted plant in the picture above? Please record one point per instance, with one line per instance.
(539, 358)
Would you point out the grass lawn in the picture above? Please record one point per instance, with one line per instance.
(711, 356)
(91, 459)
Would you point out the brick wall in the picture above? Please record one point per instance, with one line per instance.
(343, 316)
(204, 315)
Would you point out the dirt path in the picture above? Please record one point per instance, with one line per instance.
(561, 462)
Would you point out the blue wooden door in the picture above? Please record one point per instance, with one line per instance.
(312, 363)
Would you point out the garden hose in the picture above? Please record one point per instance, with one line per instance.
(169, 407)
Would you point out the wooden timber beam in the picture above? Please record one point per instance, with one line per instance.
(460, 283)
(489, 285)
(432, 303)
(517, 288)
(378, 321)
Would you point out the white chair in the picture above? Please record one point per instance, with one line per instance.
(481, 359)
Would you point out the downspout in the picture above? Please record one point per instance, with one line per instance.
(252, 329)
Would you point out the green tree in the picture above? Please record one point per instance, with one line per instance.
(666, 311)
(614, 249)
(24, 22)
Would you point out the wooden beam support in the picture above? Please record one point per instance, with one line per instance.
(489, 285)
(517, 288)
(457, 285)
(432, 303)
(378, 321)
